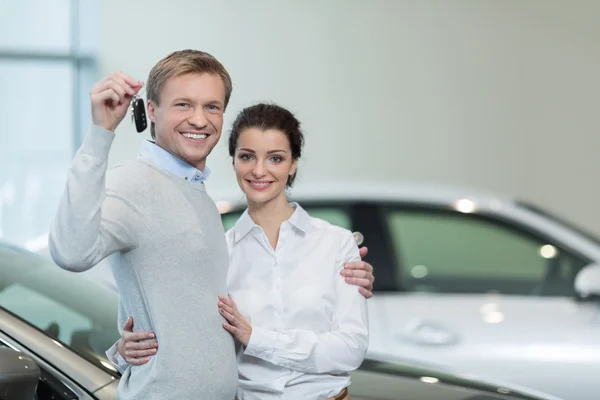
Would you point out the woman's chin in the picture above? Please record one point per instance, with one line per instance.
(260, 197)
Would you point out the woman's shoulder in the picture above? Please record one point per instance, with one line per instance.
(330, 229)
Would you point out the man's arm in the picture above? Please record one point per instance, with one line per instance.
(91, 222)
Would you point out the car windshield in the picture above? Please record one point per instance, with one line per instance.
(67, 306)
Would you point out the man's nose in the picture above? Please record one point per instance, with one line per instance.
(198, 120)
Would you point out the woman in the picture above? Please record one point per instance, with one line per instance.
(301, 327)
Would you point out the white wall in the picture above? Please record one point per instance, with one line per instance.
(501, 95)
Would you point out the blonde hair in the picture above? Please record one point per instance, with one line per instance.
(184, 62)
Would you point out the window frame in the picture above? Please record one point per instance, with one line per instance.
(83, 65)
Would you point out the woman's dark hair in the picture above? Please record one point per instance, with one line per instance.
(269, 116)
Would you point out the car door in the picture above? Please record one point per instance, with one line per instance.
(485, 296)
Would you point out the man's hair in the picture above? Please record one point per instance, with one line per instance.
(184, 62)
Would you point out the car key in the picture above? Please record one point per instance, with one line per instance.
(138, 113)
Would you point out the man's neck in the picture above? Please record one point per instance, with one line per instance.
(199, 165)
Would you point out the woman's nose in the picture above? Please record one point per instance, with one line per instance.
(259, 170)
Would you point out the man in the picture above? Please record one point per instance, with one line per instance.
(154, 212)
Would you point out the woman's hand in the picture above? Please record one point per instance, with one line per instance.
(136, 347)
(236, 324)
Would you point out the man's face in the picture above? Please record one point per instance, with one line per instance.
(189, 120)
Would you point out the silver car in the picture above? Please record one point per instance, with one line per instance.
(55, 326)
(478, 282)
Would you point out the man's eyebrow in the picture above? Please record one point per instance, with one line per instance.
(216, 102)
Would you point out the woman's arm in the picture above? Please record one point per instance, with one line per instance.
(340, 350)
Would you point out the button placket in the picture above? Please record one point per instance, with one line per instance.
(278, 291)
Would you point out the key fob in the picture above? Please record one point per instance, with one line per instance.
(138, 113)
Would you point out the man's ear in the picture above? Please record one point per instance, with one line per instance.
(151, 111)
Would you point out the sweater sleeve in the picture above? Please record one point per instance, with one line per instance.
(93, 222)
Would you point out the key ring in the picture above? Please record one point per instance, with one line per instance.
(138, 112)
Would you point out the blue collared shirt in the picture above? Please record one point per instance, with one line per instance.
(167, 161)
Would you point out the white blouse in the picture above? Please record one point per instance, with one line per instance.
(309, 327)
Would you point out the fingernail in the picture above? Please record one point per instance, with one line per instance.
(151, 335)
(154, 350)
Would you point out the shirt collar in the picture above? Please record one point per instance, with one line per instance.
(299, 219)
(167, 161)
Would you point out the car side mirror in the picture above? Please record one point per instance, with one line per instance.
(587, 282)
(19, 375)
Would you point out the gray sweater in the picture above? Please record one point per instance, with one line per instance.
(173, 258)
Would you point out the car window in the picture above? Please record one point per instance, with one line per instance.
(43, 312)
(333, 215)
(69, 307)
(460, 253)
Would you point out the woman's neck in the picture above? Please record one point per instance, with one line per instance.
(270, 216)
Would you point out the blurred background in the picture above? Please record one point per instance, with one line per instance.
(430, 105)
(495, 95)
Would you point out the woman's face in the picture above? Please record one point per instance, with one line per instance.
(262, 163)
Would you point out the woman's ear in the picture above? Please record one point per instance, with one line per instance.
(294, 167)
